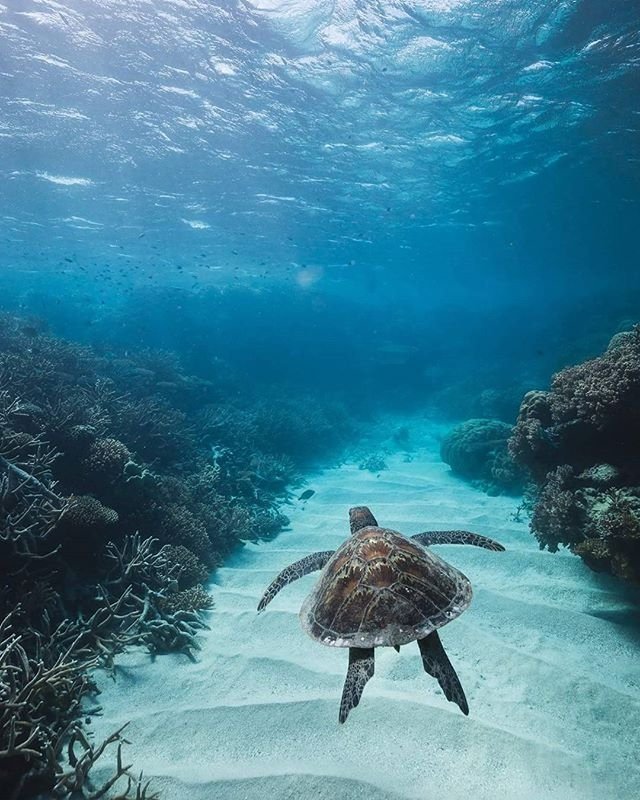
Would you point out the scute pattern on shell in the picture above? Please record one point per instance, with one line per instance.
(380, 588)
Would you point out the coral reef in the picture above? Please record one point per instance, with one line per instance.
(106, 459)
(113, 511)
(579, 442)
(477, 450)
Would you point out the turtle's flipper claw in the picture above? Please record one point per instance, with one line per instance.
(361, 668)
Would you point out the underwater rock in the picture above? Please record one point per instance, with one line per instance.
(375, 463)
(470, 398)
(579, 443)
(602, 475)
(477, 450)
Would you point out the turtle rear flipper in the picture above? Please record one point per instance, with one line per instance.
(361, 668)
(437, 664)
(294, 571)
(427, 538)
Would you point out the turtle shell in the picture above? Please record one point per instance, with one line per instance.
(381, 589)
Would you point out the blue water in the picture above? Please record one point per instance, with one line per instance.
(405, 207)
(483, 152)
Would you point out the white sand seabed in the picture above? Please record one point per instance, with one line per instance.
(545, 653)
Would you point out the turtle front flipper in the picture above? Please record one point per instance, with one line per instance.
(456, 537)
(361, 668)
(437, 664)
(294, 571)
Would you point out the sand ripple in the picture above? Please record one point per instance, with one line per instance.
(550, 674)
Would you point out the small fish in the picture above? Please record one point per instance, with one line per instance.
(307, 494)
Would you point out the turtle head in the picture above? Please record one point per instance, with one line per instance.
(360, 517)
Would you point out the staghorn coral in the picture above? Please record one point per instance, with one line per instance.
(142, 580)
(228, 522)
(39, 699)
(154, 430)
(83, 531)
(78, 578)
(29, 513)
(300, 427)
(272, 472)
(43, 680)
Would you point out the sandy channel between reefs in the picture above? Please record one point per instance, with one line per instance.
(546, 654)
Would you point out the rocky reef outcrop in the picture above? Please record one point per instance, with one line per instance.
(580, 443)
(477, 450)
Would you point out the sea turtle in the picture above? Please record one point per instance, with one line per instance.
(381, 589)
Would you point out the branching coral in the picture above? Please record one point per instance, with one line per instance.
(194, 599)
(106, 459)
(155, 430)
(181, 526)
(147, 582)
(183, 566)
(300, 427)
(84, 511)
(95, 448)
(39, 700)
(267, 522)
(29, 510)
